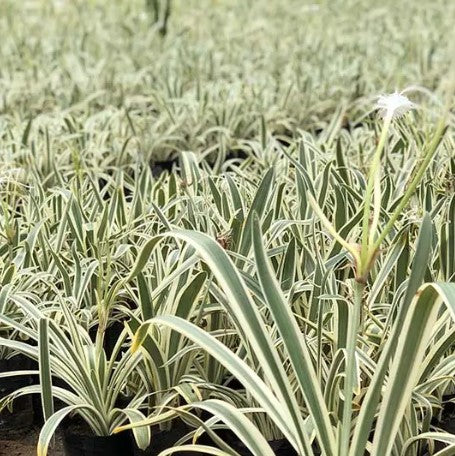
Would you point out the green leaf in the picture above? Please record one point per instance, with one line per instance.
(412, 343)
(53, 422)
(247, 432)
(45, 369)
(295, 344)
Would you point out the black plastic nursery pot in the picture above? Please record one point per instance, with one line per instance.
(20, 419)
(159, 167)
(283, 448)
(77, 443)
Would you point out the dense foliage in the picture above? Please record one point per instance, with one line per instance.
(221, 200)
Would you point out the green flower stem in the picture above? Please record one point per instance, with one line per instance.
(350, 371)
(374, 170)
(377, 194)
(411, 189)
(331, 229)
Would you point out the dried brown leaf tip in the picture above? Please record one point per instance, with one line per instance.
(224, 239)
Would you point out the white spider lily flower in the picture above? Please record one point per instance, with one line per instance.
(394, 105)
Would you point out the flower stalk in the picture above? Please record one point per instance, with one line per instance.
(428, 156)
(365, 254)
(373, 186)
(350, 367)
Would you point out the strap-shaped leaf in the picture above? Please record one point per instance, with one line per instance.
(248, 433)
(373, 396)
(412, 343)
(249, 379)
(45, 369)
(294, 342)
(53, 422)
(142, 435)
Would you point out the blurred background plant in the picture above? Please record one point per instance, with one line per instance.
(161, 11)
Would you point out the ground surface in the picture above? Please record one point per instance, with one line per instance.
(25, 445)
